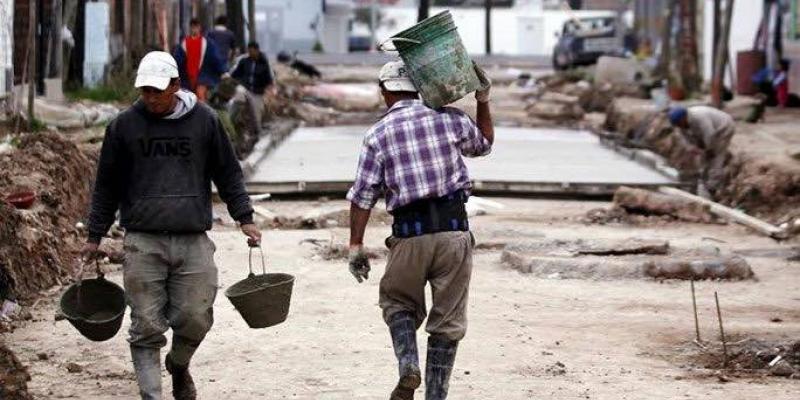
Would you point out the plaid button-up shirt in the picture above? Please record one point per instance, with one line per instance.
(414, 153)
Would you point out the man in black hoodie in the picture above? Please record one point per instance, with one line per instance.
(156, 166)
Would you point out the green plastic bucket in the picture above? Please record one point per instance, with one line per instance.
(437, 60)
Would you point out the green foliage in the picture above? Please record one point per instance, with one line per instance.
(37, 126)
(118, 88)
(317, 47)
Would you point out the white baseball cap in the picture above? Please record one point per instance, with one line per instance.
(156, 69)
(394, 77)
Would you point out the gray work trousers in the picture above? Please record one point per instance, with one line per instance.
(170, 282)
(717, 158)
(445, 260)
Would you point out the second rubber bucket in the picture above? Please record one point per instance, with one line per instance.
(437, 60)
(262, 300)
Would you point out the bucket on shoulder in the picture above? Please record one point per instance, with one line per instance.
(437, 60)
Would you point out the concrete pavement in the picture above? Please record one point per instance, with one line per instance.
(523, 161)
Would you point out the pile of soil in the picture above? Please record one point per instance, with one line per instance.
(762, 187)
(38, 245)
(13, 377)
(753, 356)
(566, 97)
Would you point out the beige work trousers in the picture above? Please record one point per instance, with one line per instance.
(445, 260)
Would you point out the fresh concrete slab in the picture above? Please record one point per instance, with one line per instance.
(522, 160)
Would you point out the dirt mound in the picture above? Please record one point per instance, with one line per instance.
(13, 377)
(762, 187)
(37, 246)
(751, 356)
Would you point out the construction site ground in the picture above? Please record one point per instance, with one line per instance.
(529, 336)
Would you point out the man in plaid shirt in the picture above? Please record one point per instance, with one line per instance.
(413, 157)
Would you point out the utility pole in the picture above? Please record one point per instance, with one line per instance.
(373, 22)
(424, 8)
(235, 14)
(718, 79)
(251, 20)
(31, 59)
(488, 7)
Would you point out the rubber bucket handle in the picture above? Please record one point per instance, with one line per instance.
(382, 47)
(79, 278)
(250, 261)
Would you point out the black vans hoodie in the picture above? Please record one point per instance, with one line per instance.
(158, 173)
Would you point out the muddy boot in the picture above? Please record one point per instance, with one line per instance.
(182, 383)
(441, 357)
(147, 365)
(403, 329)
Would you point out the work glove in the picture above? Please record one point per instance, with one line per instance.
(359, 263)
(482, 94)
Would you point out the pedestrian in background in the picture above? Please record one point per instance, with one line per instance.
(224, 39)
(199, 62)
(253, 71)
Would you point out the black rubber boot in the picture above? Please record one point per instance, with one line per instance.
(404, 339)
(147, 365)
(182, 383)
(441, 357)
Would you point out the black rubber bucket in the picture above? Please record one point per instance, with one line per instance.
(262, 300)
(95, 307)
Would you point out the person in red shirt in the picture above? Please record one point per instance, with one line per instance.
(781, 83)
(199, 62)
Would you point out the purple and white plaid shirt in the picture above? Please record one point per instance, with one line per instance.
(414, 153)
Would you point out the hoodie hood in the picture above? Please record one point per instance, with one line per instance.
(186, 102)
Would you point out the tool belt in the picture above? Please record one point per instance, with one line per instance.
(422, 217)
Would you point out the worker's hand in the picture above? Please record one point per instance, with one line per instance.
(272, 91)
(253, 234)
(90, 251)
(359, 263)
(482, 94)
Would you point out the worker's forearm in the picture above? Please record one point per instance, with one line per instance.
(358, 224)
(485, 121)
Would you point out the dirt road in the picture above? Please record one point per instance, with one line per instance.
(529, 337)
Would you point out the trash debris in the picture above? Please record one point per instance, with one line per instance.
(9, 310)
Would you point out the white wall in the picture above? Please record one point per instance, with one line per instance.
(746, 18)
(507, 35)
(297, 18)
(6, 45)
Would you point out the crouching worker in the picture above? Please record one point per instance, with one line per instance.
(413, 155)
(709, 131)
(156, 166)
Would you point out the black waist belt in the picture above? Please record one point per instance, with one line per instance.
(422, 217)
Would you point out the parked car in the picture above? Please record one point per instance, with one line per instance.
(582, 41)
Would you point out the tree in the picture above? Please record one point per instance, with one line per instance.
(721, 57)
